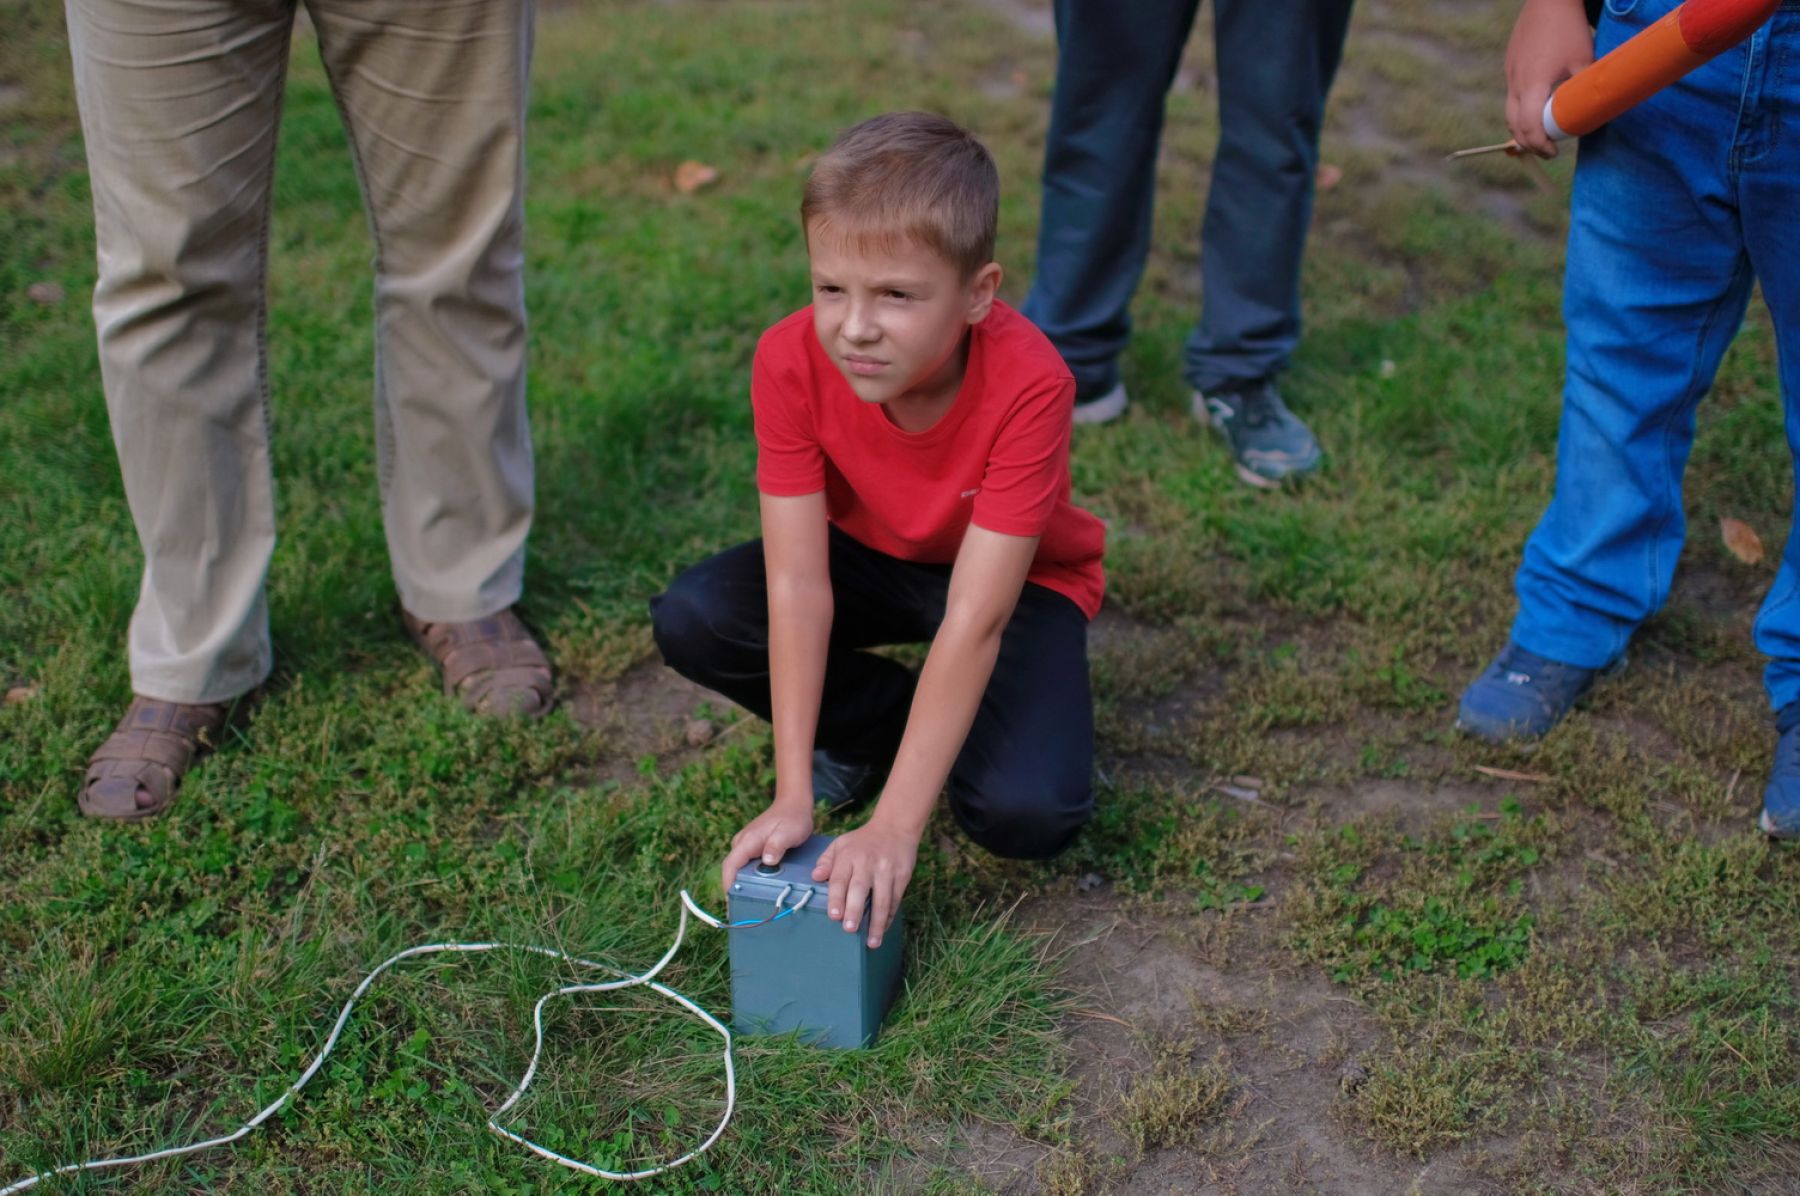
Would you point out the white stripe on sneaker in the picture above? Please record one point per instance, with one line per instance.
(1108, 406)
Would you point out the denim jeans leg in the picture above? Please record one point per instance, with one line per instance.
(1777, 630)
(1769, 189)
(1656, 285)
(1276, 62)
(1112, 78)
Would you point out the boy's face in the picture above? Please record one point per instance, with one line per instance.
(893, 320)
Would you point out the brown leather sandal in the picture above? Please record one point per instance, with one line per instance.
(136, 772)
(492, 664)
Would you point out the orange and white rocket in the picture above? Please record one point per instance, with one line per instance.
(1690, 36)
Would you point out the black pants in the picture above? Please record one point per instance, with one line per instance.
(1022, 784)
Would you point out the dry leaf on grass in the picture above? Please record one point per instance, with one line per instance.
(1507, 774)
(690, 176)
(1328, 176)
(20, 694)
(1744, 543)
(45, 293)
(1098, 1016)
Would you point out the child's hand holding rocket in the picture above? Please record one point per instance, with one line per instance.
(1555, 89)
(1550, 42)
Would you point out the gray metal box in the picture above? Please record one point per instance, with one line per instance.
(804, 973)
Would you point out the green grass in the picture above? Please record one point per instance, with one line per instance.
(1586, 982)
(1453, 905)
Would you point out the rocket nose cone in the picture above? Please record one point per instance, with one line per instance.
(1712, 27)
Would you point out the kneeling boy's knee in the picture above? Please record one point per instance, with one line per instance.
(1021, 821)
(682, 625)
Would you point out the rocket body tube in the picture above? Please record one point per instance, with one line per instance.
(1688, 37)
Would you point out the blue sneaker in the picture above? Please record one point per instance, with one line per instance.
(1522, 695)
(1781, 800)
(1269, 444)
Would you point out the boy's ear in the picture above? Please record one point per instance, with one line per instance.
(982, 289)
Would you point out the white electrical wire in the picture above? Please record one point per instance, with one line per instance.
(626, 980)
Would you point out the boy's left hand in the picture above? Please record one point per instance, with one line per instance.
(771, 834)
(871, 864)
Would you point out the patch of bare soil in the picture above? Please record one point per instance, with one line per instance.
(1408, 804)
(651, 714)
(1219, 989)
(1033, 19)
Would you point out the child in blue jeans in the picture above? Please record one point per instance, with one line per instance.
(1681, 206)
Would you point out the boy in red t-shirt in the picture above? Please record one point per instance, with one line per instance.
(913, 465)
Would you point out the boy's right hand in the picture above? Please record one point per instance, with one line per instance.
(785, 824)
(1550, 41)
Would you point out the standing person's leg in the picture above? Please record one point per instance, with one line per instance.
(1769, 194)
(1023, 784)
(433, 97)
(1655, 288)
(1112, 81)
(179, 109)
(1276, 61)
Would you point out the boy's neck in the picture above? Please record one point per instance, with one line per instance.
(919, 409)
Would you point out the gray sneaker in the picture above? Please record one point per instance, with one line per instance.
(1268, 442)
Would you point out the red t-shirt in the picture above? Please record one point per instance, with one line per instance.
(999, 457)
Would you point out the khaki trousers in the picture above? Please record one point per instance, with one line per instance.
(180, 100)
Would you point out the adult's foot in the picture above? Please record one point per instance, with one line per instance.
(493, 665)
(1781, 799)
(1522, 695)
(1269, 444)
(136, 772)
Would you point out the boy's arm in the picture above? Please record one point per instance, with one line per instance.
(874, 862)
(1550, 41)
(797, 559)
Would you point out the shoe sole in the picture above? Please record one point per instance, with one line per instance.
(1250, 477)
(1521, 739)
(1245, 474)
(1107, 407)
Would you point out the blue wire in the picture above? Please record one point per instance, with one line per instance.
(761, 921)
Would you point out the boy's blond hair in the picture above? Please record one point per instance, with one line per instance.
(908, 177)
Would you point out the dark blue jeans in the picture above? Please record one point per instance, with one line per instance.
(1681, 205)
(1022, 786)
(1276, 59)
